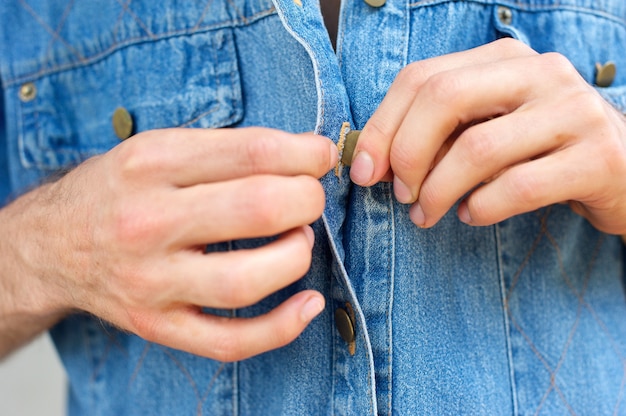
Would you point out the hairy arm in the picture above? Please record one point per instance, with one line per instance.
(27, 308)
(121, 237)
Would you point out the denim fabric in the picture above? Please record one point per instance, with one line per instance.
(524, 317)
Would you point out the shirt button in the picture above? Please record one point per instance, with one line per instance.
(344, 321)
(122, 123)
(505, 15)
(376, 3)
(344, 325)
(28, 92)
(605, 74)
(348, 147)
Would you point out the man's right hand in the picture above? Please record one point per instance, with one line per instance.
(122, 236)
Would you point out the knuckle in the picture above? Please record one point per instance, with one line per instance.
(259, 150)
(402, 160)
(227, 347)
(379, 127)
(265, 202)
(480, 211)
(297, 263)
(429, 198)
(509, 44)
(524, 188)
(146, 153)
(443, 89)
(132, 226)
(134, 158)
(479, 146)
(591, 108)
(137, 289)
(144, 324)
(611, 151)
(236, 287)
(556, 60)
(560, 67)
(413, 75)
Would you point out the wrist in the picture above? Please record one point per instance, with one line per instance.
(28, 286)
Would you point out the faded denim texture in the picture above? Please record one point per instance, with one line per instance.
(525, 317)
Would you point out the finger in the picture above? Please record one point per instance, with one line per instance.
(257, 206)
(480, 153)
(241, 278)
(185, 157)
(455, 98)
(371, 155)
(561, 176)
(232, 339)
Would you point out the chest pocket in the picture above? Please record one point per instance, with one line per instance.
(70, 67)
(589, 33)
(592, 36)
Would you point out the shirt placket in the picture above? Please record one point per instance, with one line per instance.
(353, 368)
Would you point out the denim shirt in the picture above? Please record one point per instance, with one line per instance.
(524, 317)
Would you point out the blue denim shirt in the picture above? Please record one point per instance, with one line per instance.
(524, 317)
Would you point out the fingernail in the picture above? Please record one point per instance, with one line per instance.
(402, 192)
(417, 215)
(334, 155)
(362, 168)
(311, 309)
(464, 214)
(310, 235)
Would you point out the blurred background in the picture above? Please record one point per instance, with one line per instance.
(33, 382)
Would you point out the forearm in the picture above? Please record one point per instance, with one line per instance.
(27, 306)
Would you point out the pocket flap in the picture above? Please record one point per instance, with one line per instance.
(65, 117)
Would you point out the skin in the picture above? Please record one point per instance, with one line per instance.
(503, 128)
(122, 237)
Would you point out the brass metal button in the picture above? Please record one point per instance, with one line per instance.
(28, 92)
(348, 146)
(505, 15)
(122, 123)
(605, 74)
(376, 3)
(344, 325)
